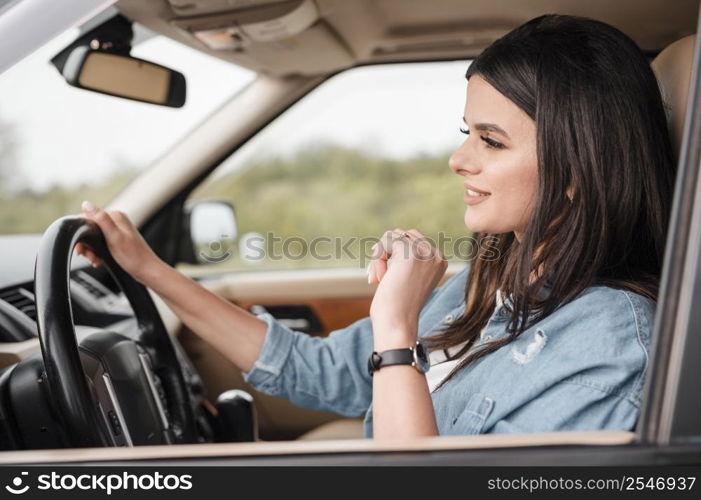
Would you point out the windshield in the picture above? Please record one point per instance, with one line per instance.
(60, 144)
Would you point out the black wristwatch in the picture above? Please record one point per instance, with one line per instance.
(416, 356)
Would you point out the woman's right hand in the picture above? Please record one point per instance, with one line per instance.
(124, 242)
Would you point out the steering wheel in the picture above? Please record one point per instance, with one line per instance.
(109, 389)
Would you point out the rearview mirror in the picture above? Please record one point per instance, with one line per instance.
(124, 76)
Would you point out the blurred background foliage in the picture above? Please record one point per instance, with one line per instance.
(28, 211)
(327, 190)
(322, 190)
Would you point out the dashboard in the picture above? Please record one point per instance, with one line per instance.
(28, 419)
(96, 299)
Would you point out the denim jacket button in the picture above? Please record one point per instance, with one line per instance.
(449, 318)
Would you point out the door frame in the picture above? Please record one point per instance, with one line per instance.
(672, 402)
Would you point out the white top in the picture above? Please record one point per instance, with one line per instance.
(441, 366)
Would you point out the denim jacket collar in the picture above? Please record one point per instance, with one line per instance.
(504, 303)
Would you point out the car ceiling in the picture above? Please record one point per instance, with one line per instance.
(351, 32)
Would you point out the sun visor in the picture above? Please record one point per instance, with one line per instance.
(272, 34)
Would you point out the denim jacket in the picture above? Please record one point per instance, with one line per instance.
(581, 368)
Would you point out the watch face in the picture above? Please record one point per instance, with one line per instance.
(421, 357)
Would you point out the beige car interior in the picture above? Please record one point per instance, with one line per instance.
(322, 37)
(673, 70)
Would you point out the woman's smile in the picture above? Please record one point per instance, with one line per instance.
(473, 196)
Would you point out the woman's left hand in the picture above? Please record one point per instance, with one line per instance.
(404, 286)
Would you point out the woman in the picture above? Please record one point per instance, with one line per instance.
(568, 175)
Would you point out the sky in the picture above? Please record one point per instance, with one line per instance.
(67, 136)
(399, 110)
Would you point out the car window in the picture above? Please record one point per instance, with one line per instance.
(60, 145)
(365, 152)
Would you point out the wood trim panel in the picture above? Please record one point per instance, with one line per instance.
(334, 313)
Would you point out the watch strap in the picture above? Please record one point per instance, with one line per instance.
(390, 357)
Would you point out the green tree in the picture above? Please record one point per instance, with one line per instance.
(326, 190)
(29, 211)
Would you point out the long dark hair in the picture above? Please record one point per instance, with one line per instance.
(602, 138)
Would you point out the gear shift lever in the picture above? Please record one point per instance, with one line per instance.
(236, 417)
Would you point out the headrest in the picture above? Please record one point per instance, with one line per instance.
(673, 70)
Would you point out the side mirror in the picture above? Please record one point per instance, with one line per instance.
(124, 76)
(212, 230)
